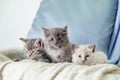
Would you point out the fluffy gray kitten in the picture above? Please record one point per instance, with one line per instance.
(34, 49)
(58, 45)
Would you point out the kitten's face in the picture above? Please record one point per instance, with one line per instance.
(34, 53)
(56, 37)
(33, 48)
(83, 53)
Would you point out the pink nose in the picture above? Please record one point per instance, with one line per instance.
(29, 55)
(83, 60)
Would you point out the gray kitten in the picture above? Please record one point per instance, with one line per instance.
(58, 45)
(34, 49)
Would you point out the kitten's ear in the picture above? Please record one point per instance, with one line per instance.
(39, 43)
(65, 28)
(23, 39)
(46, 31)
(93, 47)
(74, 46)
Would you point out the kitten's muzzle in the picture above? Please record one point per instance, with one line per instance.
(83, 60)
(29, 55)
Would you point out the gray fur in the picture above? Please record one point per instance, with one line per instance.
(58, 45)
(34, 49)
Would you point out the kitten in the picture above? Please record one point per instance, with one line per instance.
(34, 49)
(58, 45)
(86, 55)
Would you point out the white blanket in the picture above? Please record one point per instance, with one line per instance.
(32, 70)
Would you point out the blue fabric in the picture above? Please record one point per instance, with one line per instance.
(89, 21)
(114, 50)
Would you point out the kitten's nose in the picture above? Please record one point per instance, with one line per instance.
(83, 60)
(51, 39)
(29, 55)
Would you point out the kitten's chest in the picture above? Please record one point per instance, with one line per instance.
(55, 53)
(59, 55)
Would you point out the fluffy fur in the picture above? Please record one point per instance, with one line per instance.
(86, 55)
(34, 49)
(58, 45)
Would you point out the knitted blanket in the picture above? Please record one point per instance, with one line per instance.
(32, 70)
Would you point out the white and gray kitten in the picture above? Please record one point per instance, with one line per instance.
(34, 49)
(58, 45)
(86, 55)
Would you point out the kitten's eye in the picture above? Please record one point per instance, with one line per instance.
(79, 56)
(60, 46)
(87, 55)
(26, 51)
(58, 35)
(59, 39)
(51, 39)
(32, 51)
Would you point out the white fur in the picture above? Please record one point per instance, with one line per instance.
(64, 53)
(97, 57)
